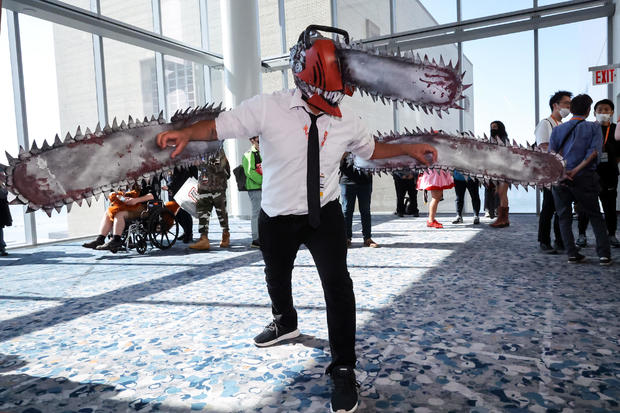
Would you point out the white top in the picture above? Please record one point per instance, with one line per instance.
(543, 130)
(283, 124)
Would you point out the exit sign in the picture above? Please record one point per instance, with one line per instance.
(602, 75)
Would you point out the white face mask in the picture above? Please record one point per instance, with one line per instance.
(603, 117)
(564, 112)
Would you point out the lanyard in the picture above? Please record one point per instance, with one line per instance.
(606, 136)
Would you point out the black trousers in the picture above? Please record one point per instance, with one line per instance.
(547, 213)
(404, 187)
(280, 239)
(470, 185)
(607, 196)
(491, 199)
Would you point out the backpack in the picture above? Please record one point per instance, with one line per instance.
(240, 178)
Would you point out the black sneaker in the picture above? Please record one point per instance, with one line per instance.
(604, 261)
(582, 241)
(574, 259)
(187, 237)
(113, 245)
(94, 244)
(344, 392)
(273, 334)
(255, 244)
(547, 249)
(559, 246)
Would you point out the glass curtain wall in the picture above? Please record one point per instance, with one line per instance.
(503, 76)
(15, 234)
(59, 99)
(64, 95)
(501, 69)
(411, 16)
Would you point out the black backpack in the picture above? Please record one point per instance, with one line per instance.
(240, 178)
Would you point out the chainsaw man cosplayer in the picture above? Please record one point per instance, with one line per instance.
(303, 135)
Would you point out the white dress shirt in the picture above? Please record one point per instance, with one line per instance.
(282, 122)
(543, 130)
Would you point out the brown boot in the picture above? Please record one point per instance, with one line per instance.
(225, 240)
(202, 244)
(502, 218)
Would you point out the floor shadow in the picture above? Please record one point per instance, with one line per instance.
(487, 331)
(40, 257)
(23, 393)
(73, 308)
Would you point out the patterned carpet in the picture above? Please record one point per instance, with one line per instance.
(467, 318)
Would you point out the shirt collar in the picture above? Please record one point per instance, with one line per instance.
(297, 100)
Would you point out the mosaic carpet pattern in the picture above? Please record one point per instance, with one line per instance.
(467, 318)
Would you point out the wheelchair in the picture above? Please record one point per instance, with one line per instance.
(157, 225)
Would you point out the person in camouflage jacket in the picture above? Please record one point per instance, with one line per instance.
(213, 177)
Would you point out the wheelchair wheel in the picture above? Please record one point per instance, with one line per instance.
(140, 244)
(163, 229)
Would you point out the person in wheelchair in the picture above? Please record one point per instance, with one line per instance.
(123, 206)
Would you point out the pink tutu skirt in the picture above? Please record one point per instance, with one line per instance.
(435, 180)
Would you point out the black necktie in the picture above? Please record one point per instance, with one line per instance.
(312, 178)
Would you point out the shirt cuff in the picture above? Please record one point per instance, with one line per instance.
(224, 126)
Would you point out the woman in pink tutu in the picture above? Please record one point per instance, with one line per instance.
(435, 181)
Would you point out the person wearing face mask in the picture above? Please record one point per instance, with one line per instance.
(560, 109)
(580, 143)
(607, 170)
(498, 131)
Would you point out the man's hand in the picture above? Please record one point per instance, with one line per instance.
(423, 152)
(131, 201)
(570, 174)
(178, 138)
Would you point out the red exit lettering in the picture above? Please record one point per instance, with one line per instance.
(604, 76)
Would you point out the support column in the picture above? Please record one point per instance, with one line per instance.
(241, 50)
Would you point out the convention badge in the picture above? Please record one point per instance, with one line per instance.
(604, 157)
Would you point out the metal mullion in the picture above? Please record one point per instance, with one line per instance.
(536, 94)
(19, 100)
(395, 114)
(282, 21)
(85, 20)
(459, 47)
(159, 60)
(334, 9)
(99, 62)
(610, 53)
(204, 42)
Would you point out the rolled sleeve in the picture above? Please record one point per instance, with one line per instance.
(244, 121)
(543, 132)
(362, 144)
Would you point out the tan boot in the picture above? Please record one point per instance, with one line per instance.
(202, 244)
(225, 240)
(502, 218)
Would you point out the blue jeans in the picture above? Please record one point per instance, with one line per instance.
(362, 192)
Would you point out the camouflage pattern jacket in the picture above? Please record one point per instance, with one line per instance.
(214, 173)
